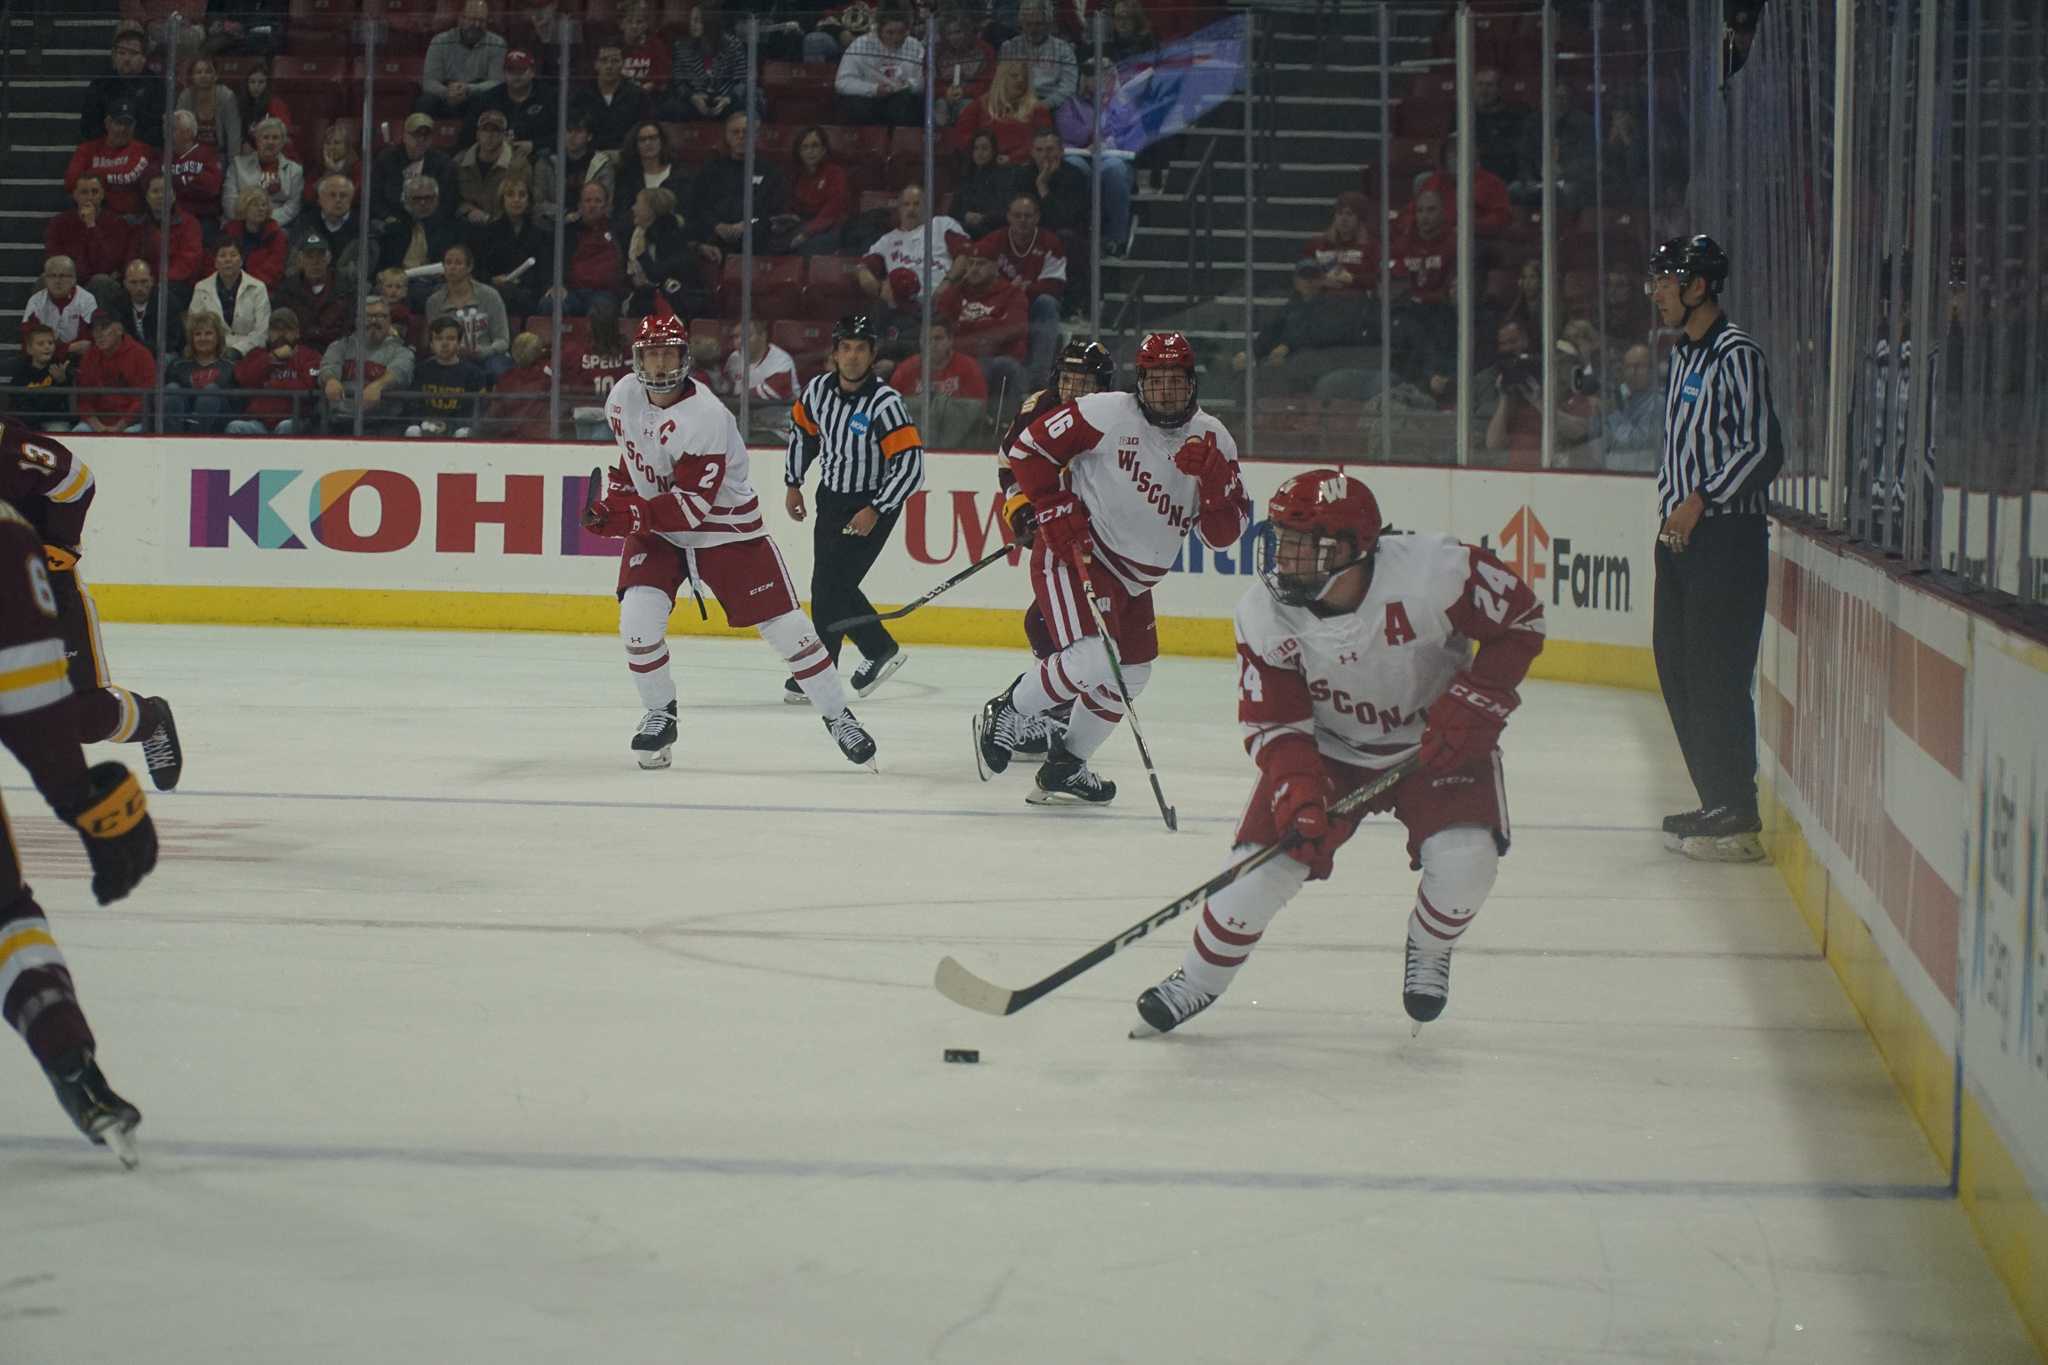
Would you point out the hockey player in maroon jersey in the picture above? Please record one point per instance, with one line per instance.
(52, 489)
(1116, 483)
(1355, 654)
(682, 498)
(1084, 367)
(103, 803)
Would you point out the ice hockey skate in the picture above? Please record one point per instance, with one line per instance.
(853, 741)
(793, 693)
(1677, 826)
(1425, 982)
(100, 1114)
(1724, 835)
(656, 737)
(160, 748)
(1064, 780)
(1037, 733)
(1168, 1005)
(872, 673)
(998, 727)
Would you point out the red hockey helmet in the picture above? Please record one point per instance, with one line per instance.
(1318, 525)
(657, 331)
(1166, 379)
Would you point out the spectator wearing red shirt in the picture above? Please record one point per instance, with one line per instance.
(195, 170)
(284, 367)
(1032, 258)
(1348, 251)
(121, 163)
(1009, 111)
(963, 65)
(958, 409)
(518, 406)
(595, 261)
(590, 368)
(115, 360)
(323, 311)
(644, 55)
(819, 196)
(262, 241)
(1424, 271)
(991, 322)
(62, 306)
(188, 251)
(1492, 214)
(97, 241)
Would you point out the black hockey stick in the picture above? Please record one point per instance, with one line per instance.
(963, 987)
(955, 581)
(1116, 671)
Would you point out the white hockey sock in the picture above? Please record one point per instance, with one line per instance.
(643, 626)
(1081, 667)
(1096, 713)
(1458, 868)
(792, 636)
(1236, 917)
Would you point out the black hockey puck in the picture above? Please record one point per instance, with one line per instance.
(963, 1054)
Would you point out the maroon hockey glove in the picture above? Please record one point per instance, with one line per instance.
(1063, 521)
(1299, 797)
(1201, 457)
(614, 518)
(1464, 724)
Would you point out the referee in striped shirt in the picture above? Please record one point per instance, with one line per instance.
(1722, 448)
(870, 460)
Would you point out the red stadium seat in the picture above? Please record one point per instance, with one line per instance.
(870, 200)
(778, 286)
(693, 144)
(392, 71)
(829, 287)
(808, 343)
(853, 147)
(324, 15)
(776, 142)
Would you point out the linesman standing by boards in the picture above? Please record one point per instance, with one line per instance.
(870, 460)
(1722, 448)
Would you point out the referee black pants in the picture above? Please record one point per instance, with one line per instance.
(1708, 625)
(839, 562)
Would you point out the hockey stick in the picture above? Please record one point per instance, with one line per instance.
(1116, 671)
(848, 623)
(963, 987)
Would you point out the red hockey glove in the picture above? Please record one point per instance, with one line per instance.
(1063, 521)
(1465, 724)
(1299, 797)
(617, 516)
(1200, 456)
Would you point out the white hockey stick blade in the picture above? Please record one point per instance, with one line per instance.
(963, 987)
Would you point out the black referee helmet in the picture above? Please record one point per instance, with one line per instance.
(1692, 258)
(854, 327)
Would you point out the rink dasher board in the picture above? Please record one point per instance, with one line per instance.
(478, 535)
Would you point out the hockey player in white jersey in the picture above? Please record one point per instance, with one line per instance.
(1355, 654)
(681, 497)
(1116, 482)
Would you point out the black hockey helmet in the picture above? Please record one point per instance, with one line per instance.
(854, 327)
(1692, 258)
(1090, 358)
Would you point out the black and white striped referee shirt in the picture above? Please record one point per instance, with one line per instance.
(1721, 435)
(864, 441)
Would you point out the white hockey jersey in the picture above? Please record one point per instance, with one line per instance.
(1362, 683)
(689, 460)
(1140, 505)
(903, 249)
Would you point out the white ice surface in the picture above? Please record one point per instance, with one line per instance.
(461, 1039)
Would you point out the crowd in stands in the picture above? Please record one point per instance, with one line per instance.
(223, 219)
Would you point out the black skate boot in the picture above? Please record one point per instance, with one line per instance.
(1724, 834)
(793, 693)
(1676, 827)
(872, 673)
(100, 1114)
(998, 726)
(1426, 983)
(1035, 736)
(655, 737)
(1064, 780)
(160, 747)
(857, 744)
(1168, 1005)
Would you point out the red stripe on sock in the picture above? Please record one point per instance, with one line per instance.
(1210, 955)
(1234, 939)
(1454, 922)
(649, 666)
(814, 670)
(1093, 705)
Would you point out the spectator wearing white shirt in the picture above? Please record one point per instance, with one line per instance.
(62, 306)
(282, 180)
(770, 381)
(1055, 73)
(237, 298)
(895, 269)
(881, 77)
